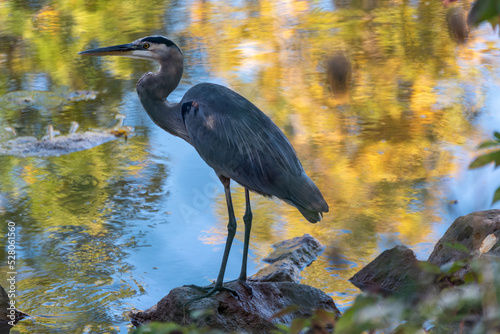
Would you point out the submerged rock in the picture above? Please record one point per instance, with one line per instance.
(44, 99)
(255, 313)
(288, 259)
(30, 146)
(53, 145)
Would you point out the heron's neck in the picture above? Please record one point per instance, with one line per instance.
(153, 90)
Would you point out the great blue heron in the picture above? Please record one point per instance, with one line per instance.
(232, 135)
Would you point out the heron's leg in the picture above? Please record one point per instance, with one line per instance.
(231, 231)
(247, 219)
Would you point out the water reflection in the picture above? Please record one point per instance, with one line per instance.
(389, 156)
(75, 230)
(339, 72)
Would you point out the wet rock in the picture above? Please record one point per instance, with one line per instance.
(273, 290)
(288, 259)
(439, 282)
(280, 271)
(302, 251)
(30, 146)
(44, 99)
(469, 231)
(81, 95)
(396, 270)
(249, 314)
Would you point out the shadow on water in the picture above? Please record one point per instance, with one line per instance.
(384, 107)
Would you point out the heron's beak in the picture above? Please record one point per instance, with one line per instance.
(115, 50)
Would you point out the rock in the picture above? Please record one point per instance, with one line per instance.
(396, 270)
(249, 314)
(288, 259)
(4, 304)
(469, 231)
(43, 99)
(8, 317)
(274, 289)
(29, 146)
(280, 271)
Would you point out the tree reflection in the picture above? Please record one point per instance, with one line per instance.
(379, 152)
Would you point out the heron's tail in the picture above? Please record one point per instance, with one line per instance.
(307, 198)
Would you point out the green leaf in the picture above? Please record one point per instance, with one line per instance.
(349, 321)
(452, 267)
(469, 277)
(196, 314)
(282, 328)
(483, 10)
(486, 159)
(457, 246)
(285, 311)
(328, 317)
(488, 144)
(497, 135)
(159, 328)
(298, 325)
(429, 267)
(496, 197)
(457, 265)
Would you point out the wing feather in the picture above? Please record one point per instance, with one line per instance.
(240, 142)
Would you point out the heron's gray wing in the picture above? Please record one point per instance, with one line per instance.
(239, 141)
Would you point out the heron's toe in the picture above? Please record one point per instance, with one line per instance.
(200, 288)
(212, 291)
(246, 286)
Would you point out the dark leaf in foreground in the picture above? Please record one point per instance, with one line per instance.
(489, 144)
(496, 197)
(286, 311)
(484, 10)
(458, 246)
(486, 159)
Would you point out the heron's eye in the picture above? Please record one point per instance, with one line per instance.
(146, 45)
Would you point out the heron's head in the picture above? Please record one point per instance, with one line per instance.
(157, 48)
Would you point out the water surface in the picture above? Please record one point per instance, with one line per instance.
(114, 228)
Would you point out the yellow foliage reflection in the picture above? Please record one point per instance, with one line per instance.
(377, 147)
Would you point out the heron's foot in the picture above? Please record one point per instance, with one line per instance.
(249, 289)
(200, 288)
(243, 282)
(211, 291)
